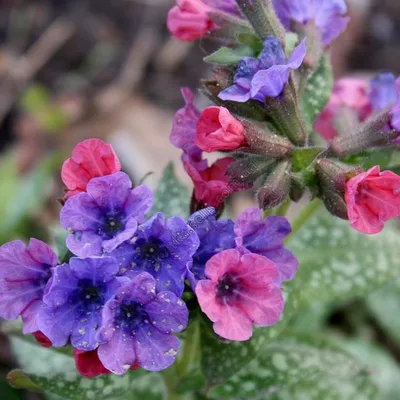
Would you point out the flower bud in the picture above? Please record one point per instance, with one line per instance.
(332, 175)
(276, 187)
(264, 142)
(296, 190)
(373, 132)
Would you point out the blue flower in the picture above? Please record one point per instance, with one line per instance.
(266, 76)
(106, 216)
(328, 15)
(162, 248)
(74, 299)
(138, 326)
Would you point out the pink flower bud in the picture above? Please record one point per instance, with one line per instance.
(217, 130)
(189, 20)
(372, 198)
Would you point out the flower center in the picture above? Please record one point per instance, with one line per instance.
(152, 250)
(90, 293)
(227, 289)
(131, 315)
(112, 224)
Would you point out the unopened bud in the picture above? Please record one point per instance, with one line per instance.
(332, 175)
(373, 132)
(297, 190)
(263, 142)
(276, 187)
(335, 204)
(248, 168)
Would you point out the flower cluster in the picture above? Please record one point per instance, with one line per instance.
(119, 300)
(259, 124)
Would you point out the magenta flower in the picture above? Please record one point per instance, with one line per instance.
(218, 130)
(24, 273)
(138, 326)
(372, 198)
(348, 93)
(106, 216)
(241, 290)
(191, 19)
(183, 131)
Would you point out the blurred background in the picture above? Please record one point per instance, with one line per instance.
(71, 70)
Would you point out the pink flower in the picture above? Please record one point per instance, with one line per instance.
(241, 290)
(351, 93)
(190, 20)
(217, 130)
(212, 185)
(372, 198)
(91, 158)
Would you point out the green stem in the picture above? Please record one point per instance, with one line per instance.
(268, 212)
(305, 214)
(284, 207)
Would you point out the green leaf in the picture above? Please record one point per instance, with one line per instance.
(172, 196)
(51, 371)
(288, 370)
(229, 56)
(385, 371)
(303, 157)
(384, 305)
(221, 359)
(337, 262)
(317, 92)
(251, 40)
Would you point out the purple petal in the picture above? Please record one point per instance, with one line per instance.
(96, 269)
(270, 82)
(168, 313)
(42, 253)
(81, 213)
(235, 93)
(139, 203)
(297, 57)
(383, 91)
(57, 323)
(155, 351)
(126, 234)
(110, 192)
(29, 316)
(85, 244)
(395, 121)
(141, 289)
(272, 53)
(59, 287)
(285, 261)
(333, 29)
(118, 354)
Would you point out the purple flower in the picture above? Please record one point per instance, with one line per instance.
(162, 248)
(383, 91)
(74, 300)
(138, 325)
(266, 76)
(106, 216)
(24, 273)
(265, 237)
(249, 234)
(184, 128)
(328, 15)
(215, 236)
